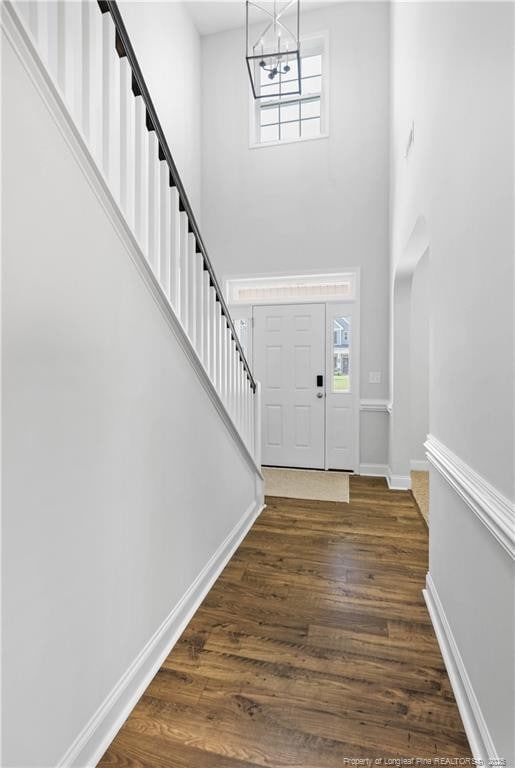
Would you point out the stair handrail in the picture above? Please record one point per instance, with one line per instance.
(124, 48)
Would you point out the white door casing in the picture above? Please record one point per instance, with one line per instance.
(289, 354)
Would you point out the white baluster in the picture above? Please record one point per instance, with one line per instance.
(251, 419)
(234, 376)
(92, 26)
(61, 44)
(111, 106)
(221, 358)
(216, 349)
(229, 375)
(41, 28)
(87, 59)
(245, 404)
(199, 320)
(71, 64)
(175, 250)
(238, 392)
(220, 344)
(257, 424)
(206, 296)
(229, 371)
(242, 409)
(141, 172)
(192, 286)
(52, 43)
(127, 141)
(153, 202)
(223, 347)
(183, 271)
(245, 408)
(212, 335)
(107, 45)
(165, 235)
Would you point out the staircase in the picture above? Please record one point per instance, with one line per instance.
(130, 417)
(87, 52)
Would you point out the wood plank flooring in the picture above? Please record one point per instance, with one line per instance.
(313, 646)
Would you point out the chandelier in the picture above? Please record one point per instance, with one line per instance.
(272, 47)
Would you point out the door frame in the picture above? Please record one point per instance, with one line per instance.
(245, 312)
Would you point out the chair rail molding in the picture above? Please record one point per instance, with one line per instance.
(478, 735)
(496, 512)
(376, 405)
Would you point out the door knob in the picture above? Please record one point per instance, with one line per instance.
(320, 395)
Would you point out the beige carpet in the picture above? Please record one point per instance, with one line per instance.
(306, 484)
(420, 489)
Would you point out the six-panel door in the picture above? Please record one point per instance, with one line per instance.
(289, 354)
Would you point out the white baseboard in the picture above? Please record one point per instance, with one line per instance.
(480, 741)
(94, 739)
(419, 465)
(373, 470)
(398, 482)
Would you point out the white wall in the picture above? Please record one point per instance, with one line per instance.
(452, 73)
(167, 45)
(419, 359)
(111, 503)
(315, 204)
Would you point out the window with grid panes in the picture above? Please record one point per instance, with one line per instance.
(287, 118)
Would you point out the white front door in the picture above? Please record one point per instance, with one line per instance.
(290, 362)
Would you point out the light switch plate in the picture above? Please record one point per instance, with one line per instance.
(374, 377)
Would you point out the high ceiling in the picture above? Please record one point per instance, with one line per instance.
(215, 16)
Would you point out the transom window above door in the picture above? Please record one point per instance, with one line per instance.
(280, 289)
(282, 119)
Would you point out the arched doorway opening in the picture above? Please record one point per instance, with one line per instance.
(403, 431)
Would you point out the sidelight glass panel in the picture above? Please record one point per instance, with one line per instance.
(341, 354)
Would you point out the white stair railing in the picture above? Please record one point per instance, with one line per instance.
(87, 52)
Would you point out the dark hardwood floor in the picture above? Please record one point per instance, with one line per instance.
(313, 646)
